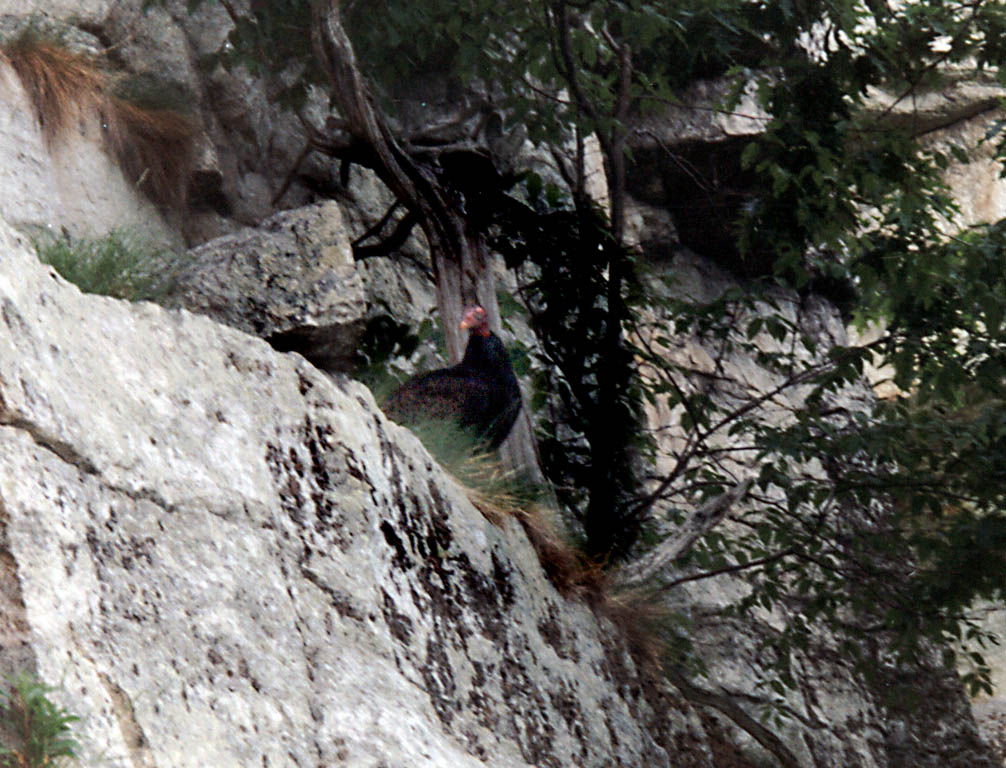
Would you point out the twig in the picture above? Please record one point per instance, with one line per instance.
(742, 719)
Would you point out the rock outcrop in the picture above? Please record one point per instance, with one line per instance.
(226, 558)
(69, 183)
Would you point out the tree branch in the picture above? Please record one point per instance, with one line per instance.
(725, 704)
(699, 523)
(391, 243)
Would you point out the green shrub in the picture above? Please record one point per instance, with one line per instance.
(41, 729)
(116, 264)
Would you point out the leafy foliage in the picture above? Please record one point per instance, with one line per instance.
(880, 520)
(585, 378)
(42, 728)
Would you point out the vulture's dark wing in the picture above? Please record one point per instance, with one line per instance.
(504, 421)
(480, 393)
(449, 393)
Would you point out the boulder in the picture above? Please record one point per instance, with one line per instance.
(292, 280)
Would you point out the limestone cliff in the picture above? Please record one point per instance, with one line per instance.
(226, 558)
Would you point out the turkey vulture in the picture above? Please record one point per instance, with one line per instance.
(480, 393)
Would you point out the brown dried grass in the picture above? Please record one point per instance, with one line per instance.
(486, 483)
(59, 82)
(574, 574)
(639, 616)
(153, 147)
(642, 619)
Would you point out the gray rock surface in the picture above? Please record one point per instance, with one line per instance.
(978, 188)
(291, 280)
(700, 116)
(85, 11)
(226, 558)
(963, 94)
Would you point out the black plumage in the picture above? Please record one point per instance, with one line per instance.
(480, 393)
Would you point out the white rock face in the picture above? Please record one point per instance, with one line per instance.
(67, 183)
(701, 117)
(978, 188)
(227, 559)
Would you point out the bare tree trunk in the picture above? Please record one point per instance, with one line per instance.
(460, 262)
(414, 186)
(465, 282)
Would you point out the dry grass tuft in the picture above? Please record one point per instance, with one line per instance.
(153, 146)
(59, 82)
(640, 616)
(489, 487)
(643, 620)
(573, 573)
(493, 491)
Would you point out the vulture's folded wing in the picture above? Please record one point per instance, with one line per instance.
(448, 393)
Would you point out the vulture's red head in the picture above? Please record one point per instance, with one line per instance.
(475, 320)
